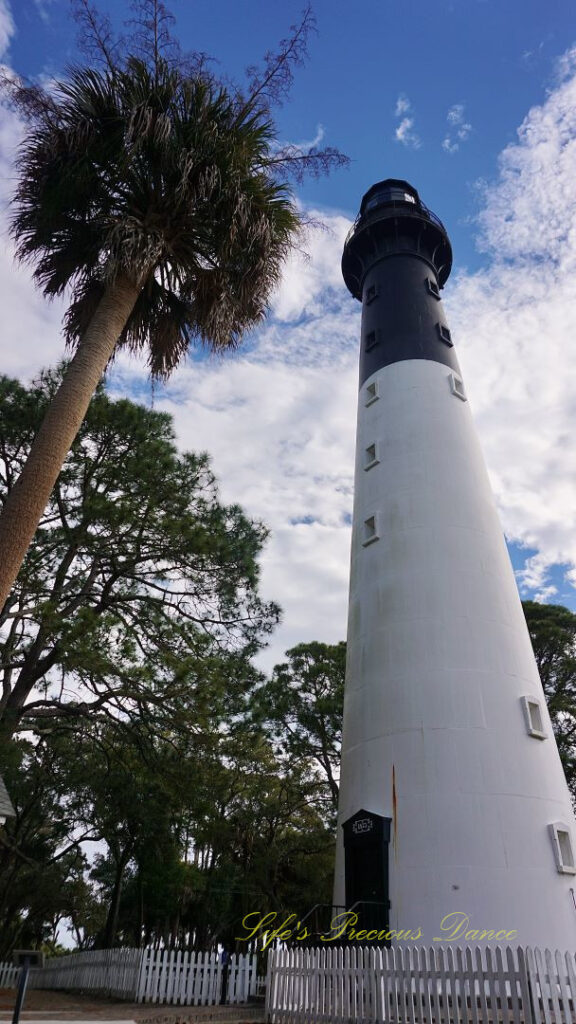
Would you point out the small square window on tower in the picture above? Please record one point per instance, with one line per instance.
(563, 849)
(444, 334)
(371, 293)
(371, 393)
(432, 286)
(371, 340)
(533, 717)
(370, 456)
(370, 531)
(457, 386)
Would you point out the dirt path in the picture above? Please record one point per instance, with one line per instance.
(68, 1006)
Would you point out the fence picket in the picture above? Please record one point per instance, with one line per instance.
(385, 983)
(527, 1009)
(335, 964)
(187, 956)
(319, 956)
(204, 979)
(442, 995)
(570, 957)
(502, 988)
(282, 955)
(335, 985)
(9, 975)
(492, 985)
(357, 982)
(542, 987)
(157, 974)
(395, 1014)
(201, 966)
(471, 973)
(169, 977)
(422, 1010)
(562, 986)
(551, 977)
(451, 971)
(462, 981)
(271, 998)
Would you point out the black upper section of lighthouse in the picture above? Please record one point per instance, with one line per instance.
(397, 257)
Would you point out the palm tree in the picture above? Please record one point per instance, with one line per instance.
(152, 196)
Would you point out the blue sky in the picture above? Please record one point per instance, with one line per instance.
(495, 58)
(472, 101)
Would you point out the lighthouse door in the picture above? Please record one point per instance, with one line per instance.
(366, 842)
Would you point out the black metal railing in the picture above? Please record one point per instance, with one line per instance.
(371, 216)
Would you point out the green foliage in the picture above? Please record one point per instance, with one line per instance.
(552, 630)
(145, 172)
(193, 834)
(149, 168)
(156, 197)
(139, 586)
(125, 648)
(125, 644)
(301, 708)
(41, 864)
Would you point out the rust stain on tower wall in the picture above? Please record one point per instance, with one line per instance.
(394, 811)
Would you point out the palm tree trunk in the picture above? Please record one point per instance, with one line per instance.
(28, 498)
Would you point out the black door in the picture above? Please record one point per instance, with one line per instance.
(366, 844)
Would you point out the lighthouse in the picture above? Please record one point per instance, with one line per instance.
(455, 820)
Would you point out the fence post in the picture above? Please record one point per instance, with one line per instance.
(528, 1015)
(225, 961)
(268, 1002)
(24, 972)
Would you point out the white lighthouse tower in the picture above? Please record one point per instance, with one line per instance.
(456, 820)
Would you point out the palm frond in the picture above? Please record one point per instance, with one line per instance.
(152, 174)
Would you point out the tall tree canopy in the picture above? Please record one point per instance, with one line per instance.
(140, 588)
(193, 833)
(125, 649)
(301, 709)
(157, 198)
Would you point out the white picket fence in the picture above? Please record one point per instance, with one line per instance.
(110, 972)
(150, 976)
(9, 975)
(420, 986)
(194, 978)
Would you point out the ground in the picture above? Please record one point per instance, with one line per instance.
(41, 1005)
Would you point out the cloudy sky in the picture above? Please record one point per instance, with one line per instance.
(474, 102)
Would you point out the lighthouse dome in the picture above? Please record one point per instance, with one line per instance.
(393, 219)
(391, 190)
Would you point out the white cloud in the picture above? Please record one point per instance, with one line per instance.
(449, 145)
(42, 6)
(406, 135)
(402, 105)
(405, 132)
(566, 65)
(517, 322)
(282, 441)
(279, 417)
(305, 144)
(458, 129)
(279, 423)
(312, 143)
(29, 335)
(532, 579)
(7, 27)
